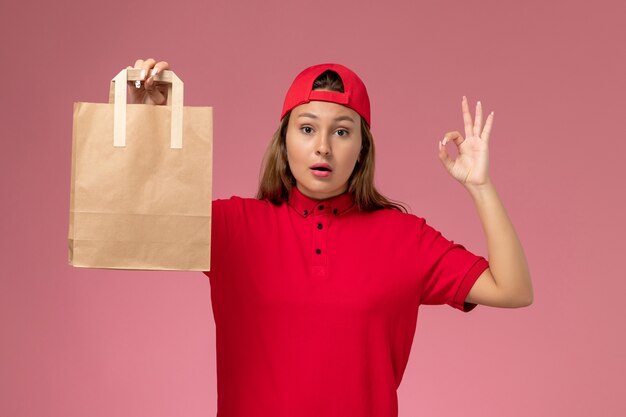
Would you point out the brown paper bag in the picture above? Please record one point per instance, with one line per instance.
(141, 182)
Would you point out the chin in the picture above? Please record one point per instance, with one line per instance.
(321, 193)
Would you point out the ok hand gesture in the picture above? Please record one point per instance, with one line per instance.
(471, 167)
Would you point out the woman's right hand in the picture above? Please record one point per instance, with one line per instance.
(150, 91)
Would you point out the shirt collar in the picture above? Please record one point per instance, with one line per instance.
(305, 205)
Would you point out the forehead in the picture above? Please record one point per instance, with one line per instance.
(324, 110)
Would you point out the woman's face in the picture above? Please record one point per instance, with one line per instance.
(323, 144)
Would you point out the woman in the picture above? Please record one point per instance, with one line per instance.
(316, 283)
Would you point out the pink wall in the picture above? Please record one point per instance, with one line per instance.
(77, 342)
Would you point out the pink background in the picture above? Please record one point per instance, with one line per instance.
(80, 342)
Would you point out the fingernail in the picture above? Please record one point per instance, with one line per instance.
(154, 72)
(142, 75)
(478, 103)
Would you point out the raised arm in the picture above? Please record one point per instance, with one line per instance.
(506, 283)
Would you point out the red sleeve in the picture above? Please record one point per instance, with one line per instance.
(448, 269)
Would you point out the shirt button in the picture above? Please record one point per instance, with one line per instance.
(321, 207)
(306, 212)
(319, 225)
(335, 211)
(318, 251)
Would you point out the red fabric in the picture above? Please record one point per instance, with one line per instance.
(354, 96)
(307, 332)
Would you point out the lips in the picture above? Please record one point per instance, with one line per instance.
(321, 170)
(321, 167)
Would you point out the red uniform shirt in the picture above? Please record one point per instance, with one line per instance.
(316, 303)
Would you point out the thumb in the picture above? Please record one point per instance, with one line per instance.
(154, 92)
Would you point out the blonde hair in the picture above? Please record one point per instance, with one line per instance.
(276, 179)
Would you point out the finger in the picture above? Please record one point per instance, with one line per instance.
(467, 118)
(132, 83)
(488, 125)
(159, 67)
(146, 67)
(154, 92)
(478, 121)
(455, 136)
(444, 157)
(158, 91)
(138, 64)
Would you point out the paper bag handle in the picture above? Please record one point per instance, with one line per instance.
(117, 96)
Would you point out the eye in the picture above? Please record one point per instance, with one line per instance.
(342, 132)
(306, 129)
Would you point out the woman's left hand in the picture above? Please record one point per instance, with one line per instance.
(471, 167)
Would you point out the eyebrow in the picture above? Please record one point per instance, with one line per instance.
(337, 119)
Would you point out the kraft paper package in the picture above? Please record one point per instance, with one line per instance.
(141, 182)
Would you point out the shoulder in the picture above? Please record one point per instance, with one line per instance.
(236, 205)
(393, 215)
(237, 201)
(392, 220)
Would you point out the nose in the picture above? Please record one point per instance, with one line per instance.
(323, 145)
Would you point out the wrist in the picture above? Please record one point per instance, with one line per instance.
(482, 190)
